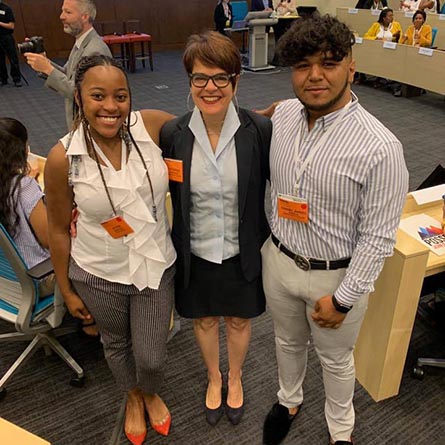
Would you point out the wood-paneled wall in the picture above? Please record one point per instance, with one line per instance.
(169, 22)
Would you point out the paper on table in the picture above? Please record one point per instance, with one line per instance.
(426, 230)
(429, 194)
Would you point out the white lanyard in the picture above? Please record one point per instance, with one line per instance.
(314, 150)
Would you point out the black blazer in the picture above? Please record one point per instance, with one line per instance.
(221, 19)
(252, 141)
(366, 4)
(258, 5)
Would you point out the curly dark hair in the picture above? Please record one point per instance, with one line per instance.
(13, 166)
(383, 14)
(313, 35)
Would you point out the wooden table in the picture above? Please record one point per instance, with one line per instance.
(360, 20)
(403, 64)
(383, 342)
(11, 434)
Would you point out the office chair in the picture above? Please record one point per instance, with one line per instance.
(35, 317)
(433, 36)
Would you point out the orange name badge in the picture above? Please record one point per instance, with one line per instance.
(293, 208)
(117, 227)
(175, 172)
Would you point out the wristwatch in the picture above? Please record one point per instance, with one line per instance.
(343, 308)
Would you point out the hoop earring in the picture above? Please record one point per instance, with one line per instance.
(189, 106)
(235, 102)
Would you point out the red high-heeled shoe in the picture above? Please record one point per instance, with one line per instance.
(164, 427)
(136, 439)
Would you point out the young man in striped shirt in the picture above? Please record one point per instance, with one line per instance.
(338, 184)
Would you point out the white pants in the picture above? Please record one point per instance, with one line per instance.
(291, 294)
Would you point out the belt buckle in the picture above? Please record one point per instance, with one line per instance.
(302, 262)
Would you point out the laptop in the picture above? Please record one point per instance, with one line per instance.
(239, 24)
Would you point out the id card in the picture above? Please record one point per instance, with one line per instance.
(175, 170)
(117, 227)
(291, 207)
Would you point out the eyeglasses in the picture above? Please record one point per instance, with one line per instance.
(221, 80)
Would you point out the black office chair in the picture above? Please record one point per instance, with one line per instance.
(434, 284)
(431, 284)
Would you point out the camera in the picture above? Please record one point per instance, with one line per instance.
(33, 45)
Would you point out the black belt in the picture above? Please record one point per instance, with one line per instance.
(305, 263)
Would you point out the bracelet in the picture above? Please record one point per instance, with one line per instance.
(340, 307)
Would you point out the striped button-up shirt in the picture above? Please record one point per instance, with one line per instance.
(355, 187)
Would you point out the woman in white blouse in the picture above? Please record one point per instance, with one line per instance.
(120, 266)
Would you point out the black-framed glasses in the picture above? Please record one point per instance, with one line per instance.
(220, 80)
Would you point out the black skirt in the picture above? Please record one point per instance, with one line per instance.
(219, 290)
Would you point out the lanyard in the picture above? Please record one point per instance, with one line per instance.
(314, 150)
(127, 145)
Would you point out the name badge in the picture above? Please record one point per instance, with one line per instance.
(117, 227)
(290, 207)
(175, 170)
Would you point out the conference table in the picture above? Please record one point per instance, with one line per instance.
(384, 338)
(420, 67)
(360, 20)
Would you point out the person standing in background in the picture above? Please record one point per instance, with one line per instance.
(8, 47)
(261, 5)
(223, 16)
(371, 4)
(77, 17)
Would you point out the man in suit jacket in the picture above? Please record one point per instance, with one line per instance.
(371, 4)
(261, 5)
(77, 17)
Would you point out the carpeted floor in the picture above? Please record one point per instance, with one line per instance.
(39, 397)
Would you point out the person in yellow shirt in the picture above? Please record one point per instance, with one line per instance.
(385, 28)
(418, 34)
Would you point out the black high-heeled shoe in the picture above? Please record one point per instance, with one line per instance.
(213, 415)
(234, 414)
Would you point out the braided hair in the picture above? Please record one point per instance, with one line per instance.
(13, 167)
(85, 64)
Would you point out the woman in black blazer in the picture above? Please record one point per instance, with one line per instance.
(223, 16)
(218, 157)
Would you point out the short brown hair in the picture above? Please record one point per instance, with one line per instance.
(212, 49)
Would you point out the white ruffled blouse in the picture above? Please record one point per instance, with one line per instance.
(141, 257)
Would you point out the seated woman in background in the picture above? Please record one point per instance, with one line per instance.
(371, 4)
(416, 5)
(385, 28)
(22, 209)
(223, 16)
(418, 34)
(285, 7)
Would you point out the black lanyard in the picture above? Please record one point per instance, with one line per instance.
(128, 146)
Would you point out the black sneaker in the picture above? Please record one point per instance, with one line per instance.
(18, 84)
(277, 424)
(3, 83)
